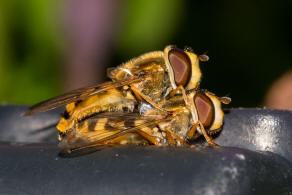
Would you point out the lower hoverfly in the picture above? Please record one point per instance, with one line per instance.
(145, 124)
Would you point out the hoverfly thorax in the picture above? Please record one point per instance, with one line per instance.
(183, 67)
(149, 62)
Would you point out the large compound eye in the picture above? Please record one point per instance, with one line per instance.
(205, 109)
(181, 66)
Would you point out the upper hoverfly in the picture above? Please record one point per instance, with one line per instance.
(149, 78)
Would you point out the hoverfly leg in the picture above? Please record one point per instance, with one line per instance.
(170, 139)
(174, 91)
(207, 137)
(192, 131)
(148, 137)
(147, 99)
(182, 89)
(137, 95)
(175, 136)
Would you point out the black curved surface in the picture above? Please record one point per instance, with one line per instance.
(254, 158)
(143, 170)
(258, 129)
(36, 128)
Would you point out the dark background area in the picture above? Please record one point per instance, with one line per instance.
(249, 43)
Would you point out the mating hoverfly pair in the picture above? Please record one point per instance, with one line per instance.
(152, 99)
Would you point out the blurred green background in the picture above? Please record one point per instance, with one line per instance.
(249, 43)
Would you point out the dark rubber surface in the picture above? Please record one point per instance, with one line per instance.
(254, 158)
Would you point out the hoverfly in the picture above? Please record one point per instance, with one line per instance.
(146, 124)
(151, 77)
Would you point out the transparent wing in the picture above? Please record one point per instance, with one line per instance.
(101, 129)
(78, 94)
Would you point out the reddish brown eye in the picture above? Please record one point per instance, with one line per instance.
(205, 109)
(181, 66)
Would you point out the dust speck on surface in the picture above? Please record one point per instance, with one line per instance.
(240, 156)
